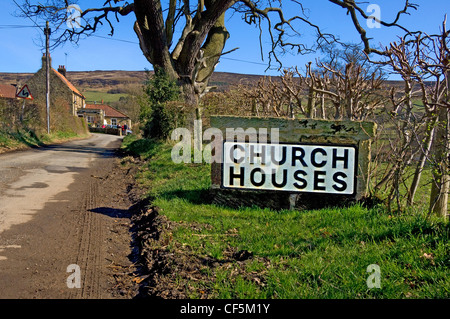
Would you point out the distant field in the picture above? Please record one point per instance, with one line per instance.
(87, 81)
(98, 96)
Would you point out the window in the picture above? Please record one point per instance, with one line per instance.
(90, 119)
(113, 121)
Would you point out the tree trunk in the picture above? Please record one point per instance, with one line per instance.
(291, 109)
(441, 182)
(193, 115)
(423, 158)
(190, 99)
(311, 102)
(212, 50)
(322, 106)
(149, 28)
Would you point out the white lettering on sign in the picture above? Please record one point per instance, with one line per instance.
(289, 167)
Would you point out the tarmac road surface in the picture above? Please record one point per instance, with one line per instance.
(52, 231)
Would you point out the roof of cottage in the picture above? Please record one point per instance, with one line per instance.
(67, 82)
(109, 111)
(8, 91)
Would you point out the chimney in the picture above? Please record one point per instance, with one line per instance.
(62, 70)
(44, 60)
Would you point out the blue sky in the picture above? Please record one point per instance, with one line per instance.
(21, 48)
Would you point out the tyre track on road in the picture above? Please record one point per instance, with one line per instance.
(90, 249)
(87, 224)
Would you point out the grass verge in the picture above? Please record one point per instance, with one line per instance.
(208, 251)
(23, 139)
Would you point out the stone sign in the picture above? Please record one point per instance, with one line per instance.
(287, 163)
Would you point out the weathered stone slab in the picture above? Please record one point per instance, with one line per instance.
(305, 131)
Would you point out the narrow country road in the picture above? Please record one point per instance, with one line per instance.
(64, 226)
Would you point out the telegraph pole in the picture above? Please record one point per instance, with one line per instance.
(47, 32)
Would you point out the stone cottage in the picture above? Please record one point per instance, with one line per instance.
(60, 87)
(98, 115)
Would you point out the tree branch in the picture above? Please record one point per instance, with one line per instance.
(352, 8)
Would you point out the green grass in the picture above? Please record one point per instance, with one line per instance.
(18, 138)
(422, 196)
(23, 138)
(297, 254)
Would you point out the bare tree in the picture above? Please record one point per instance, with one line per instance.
(423, 63)
(192, 57)
(353, 92)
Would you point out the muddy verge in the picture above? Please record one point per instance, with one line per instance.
(172, 270)
(119, 187)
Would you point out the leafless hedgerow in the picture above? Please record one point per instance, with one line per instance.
(421, 131)
(324, 92)
(413, 120)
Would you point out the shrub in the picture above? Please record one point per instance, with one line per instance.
(159, 120)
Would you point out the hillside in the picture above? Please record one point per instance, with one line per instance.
(111, 86)
(104, 81)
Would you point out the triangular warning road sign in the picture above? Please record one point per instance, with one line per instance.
(25, 93)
